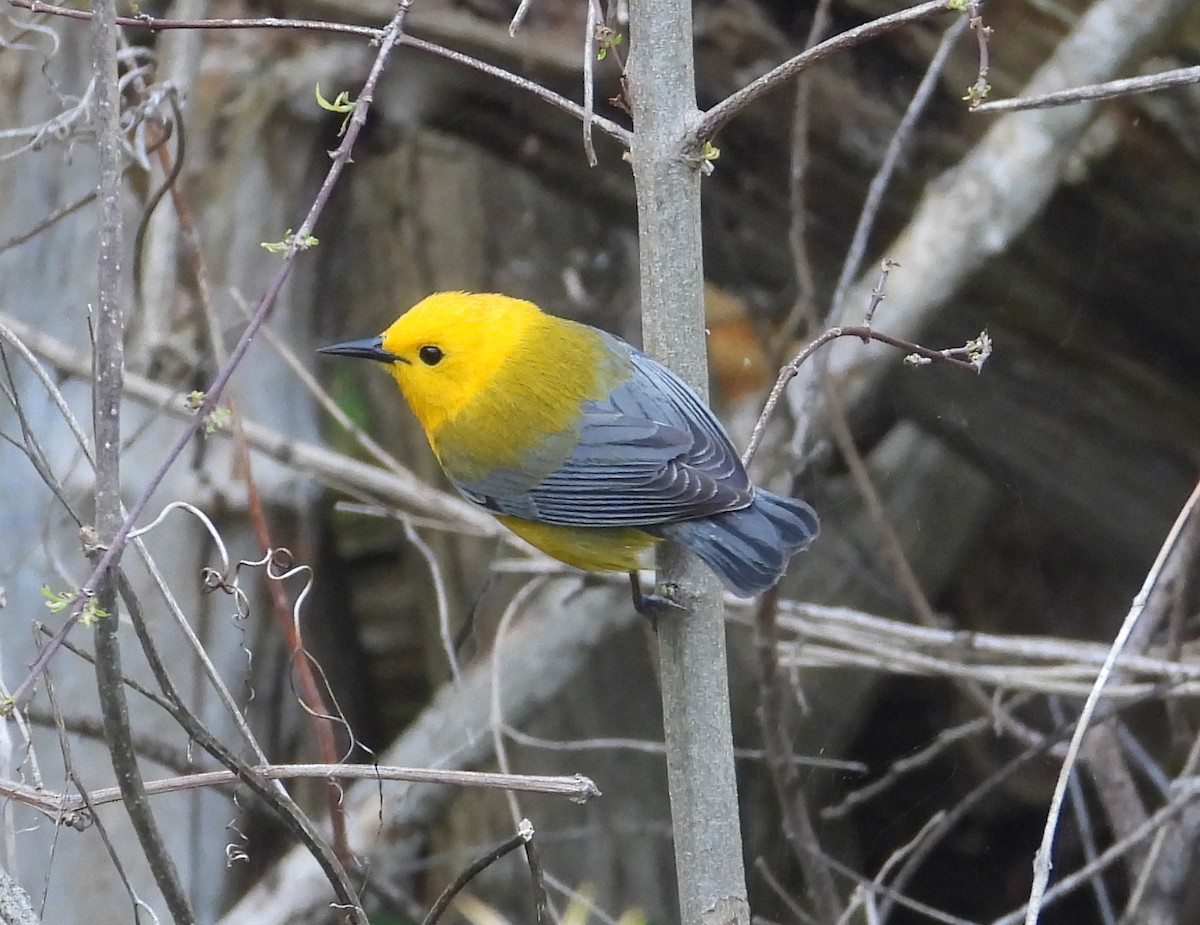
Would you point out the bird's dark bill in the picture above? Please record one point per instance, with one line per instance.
(369, 348)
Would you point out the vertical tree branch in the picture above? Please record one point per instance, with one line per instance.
(109, 330)
(696, 715)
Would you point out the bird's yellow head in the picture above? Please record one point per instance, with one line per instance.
(445, 349)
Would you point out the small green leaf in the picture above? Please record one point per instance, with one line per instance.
(290, 240)
(91, 613)
(341, 103)
(218, 420)
(57, 601)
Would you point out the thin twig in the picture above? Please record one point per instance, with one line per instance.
(715, 119)
(901, 766)
(440, 596)
(1164, 840)
(1084, 828)
(311, 696)
(880, 182)
(956, 814)
(822, 892)
(952, 356)
(53, 218)
(1187, 796)
(293, 819)
(864, 896)
(1042, 860)
(618, 132)
(1110, 89)
(783, 894)
(523, 836)
(803, 308)
(577, 788)
(589, 80)
(158, 24)
(979, 90)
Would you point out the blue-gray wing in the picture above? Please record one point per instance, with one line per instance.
(650, 453)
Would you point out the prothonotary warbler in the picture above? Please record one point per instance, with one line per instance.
(580, 443)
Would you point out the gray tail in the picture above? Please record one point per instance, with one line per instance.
(750, 548)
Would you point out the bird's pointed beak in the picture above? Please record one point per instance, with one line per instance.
(369, 348)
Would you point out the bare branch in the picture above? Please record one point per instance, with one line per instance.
(822, 892)
(158, 24)
(1042, 861)
(576, 788)
(523, 836)
(109, 361)
(1111, 89)
(952, 356)
(712, 121)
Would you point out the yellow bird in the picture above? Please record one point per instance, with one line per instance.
(579, 443)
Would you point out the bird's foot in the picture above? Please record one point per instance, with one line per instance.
(665, 596)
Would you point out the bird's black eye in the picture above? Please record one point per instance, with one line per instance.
(430, 355)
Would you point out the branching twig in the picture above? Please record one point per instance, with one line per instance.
(158, 24)
(976, 353)
(979, 90)
(1187, 796)
(297, 823)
